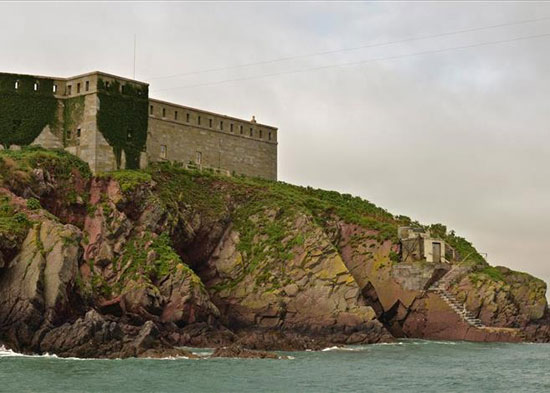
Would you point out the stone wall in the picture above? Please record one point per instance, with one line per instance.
(48, 140)
(211, 140)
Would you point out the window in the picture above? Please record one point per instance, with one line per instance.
(69, 134)
(241, 129)
(69, 90)
(251, 132)
(176, 115)
(163, 112)
(107, 85)
(231, 127)
(198, 159)
(261, 133)
(210, 123)
(163, 151)
(87, 85)
(35, 86)
(151, 110)
(199, 120)
(187, 117)
(123, 89)
(55, 89)
(16, 85)
(78, 132)
(269, 135)
(78, 88)
(221, 125)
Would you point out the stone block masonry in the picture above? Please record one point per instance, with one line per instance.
(111, 123)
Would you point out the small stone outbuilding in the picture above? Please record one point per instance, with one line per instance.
(417, 244)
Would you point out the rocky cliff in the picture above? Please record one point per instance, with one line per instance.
(138, 263)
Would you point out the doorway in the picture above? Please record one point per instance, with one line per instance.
(436, 252)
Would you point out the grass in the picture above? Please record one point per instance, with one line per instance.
(128, 179)
(493, 273)
(33, 204)
(176, 186)
(56, 161)
(13, 224)
(68, 173)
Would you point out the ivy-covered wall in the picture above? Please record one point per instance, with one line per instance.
(73, 113)
(25, 112)
(122, 119)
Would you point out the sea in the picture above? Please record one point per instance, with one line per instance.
(405, 366)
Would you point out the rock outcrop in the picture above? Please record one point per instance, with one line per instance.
(37, 288)
(138, 263)
(236, 351)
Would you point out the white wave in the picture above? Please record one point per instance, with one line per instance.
(431, 342)
(330, 349)
(344, 348)
(203, 354)
(167, 358)
(6, 352)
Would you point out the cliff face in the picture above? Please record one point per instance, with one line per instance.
(134, 262)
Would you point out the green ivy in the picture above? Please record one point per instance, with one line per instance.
(24, 112)
(123, 119)
(73, 113)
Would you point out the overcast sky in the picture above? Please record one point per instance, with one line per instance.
(458, 136)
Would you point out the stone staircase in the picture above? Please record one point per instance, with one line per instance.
(439, 287)
(456, 306)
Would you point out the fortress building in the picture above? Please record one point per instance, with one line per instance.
(111, 123)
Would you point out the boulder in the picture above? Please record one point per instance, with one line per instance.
(236, 351)
(186, 300)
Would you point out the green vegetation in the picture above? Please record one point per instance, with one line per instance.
(134, 264)
(136, 255)
(394, 257)
(128, 179)
(489, 273)
(264, 213)
(122, 119)
(13, 224)
(177, 186)
(265, 242)
(73, 113)
(466, 251)
(493, 273)
(18, 124)
(58, 162)
(33, 204)
(68, 173)
(323, 205)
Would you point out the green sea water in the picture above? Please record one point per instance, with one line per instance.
(406, 366)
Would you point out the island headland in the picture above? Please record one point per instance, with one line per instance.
(143, 262)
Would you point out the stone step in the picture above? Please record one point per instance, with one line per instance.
(455, 305)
